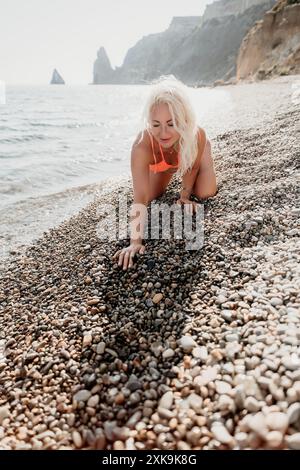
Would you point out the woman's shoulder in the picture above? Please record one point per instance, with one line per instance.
(201, 134)
(201, 141)
(142, 140)
(141, 147)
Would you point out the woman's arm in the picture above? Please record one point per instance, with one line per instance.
(138, 211)
(189, 178)
(206, 182)
(188, 181)
(141, 190)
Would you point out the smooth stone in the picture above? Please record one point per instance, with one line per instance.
(252, 405)
(208, 375)
(187, 343)
(100, 348)
(293, 413)
(200, 352)
(277, 421)
(293, 441)
(195, 402)
(221, 434)
(276, 301)
(166, 400)
(222, 387)
(77, 439)
(257, 423)
(87, 340)
(274, 439)
(82, 395)
(157, 298)
(227, 315)
(168, 353)
(4, 413)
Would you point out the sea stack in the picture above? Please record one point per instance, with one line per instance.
(57, 78)
(103, 73)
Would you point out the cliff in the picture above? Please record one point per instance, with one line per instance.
(223, 8)
(210, 52)
(272, 46)
(154, 54)
(103, 73)
(198, 50)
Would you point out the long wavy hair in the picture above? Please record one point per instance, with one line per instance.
(169, 90)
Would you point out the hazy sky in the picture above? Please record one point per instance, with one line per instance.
(37, 36)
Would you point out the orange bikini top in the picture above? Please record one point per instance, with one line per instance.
(159, 167)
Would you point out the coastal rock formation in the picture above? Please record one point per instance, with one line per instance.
(210, 52)
(272, 46)
(223, 8)
(154, 54)
(57, 78)
(198, 50)
(103, 72)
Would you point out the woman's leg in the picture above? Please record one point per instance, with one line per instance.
(205, 184)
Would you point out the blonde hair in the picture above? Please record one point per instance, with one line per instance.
(169, 90)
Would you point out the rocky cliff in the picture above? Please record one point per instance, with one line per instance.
(272, 46)
(154, 54)
(149, 58)
(198, 50)
(210, 52)
(103, 72)
(223, 8)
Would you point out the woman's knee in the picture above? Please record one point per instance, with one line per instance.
(205, 194)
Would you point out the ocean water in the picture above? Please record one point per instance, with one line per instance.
(56, 137)
(58, 144)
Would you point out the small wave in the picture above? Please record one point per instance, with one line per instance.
(108, 158)
(8, 128)
(72, 125)
(12, 156)
(12, 188)
(24, 138)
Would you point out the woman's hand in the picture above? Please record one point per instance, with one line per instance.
(127, 254)
(190, 207)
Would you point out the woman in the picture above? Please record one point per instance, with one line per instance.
(170, 142)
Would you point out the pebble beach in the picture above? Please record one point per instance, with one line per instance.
(188, 350)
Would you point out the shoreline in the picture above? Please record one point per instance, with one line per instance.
(43, 213)
(189, 350)
(220, 82)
